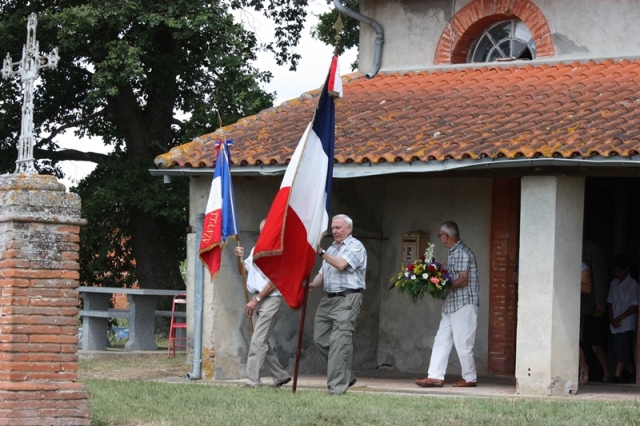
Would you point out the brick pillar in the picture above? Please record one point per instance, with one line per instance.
(39, 235)
(503, 293)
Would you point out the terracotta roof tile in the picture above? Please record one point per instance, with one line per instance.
(559, 110)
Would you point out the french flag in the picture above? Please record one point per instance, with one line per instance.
(220, 220)
(299, 216)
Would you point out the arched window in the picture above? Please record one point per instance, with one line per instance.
(504, 40)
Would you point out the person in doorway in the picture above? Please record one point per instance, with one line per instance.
(585, 291)
(343, 271)
(459, 313)
(623, 311)
(593, 308)
(265, 308)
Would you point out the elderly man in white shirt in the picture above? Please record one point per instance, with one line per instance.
(265, 307)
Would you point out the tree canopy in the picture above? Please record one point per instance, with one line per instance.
(349, 36)
(144, 76)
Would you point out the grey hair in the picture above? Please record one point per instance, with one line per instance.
(450, 228)
(346, 219)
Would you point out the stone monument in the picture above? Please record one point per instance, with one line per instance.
(39, 235)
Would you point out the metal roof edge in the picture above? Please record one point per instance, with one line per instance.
(346, 171)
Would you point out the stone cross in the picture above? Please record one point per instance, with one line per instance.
(27, 69)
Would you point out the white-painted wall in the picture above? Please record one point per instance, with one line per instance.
(391, 329)
(407, 330)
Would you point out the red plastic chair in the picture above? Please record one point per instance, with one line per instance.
(174, 341)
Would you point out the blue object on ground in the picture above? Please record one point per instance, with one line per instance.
(121, 332)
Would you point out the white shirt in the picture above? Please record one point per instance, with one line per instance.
(256, 279)
(622, 295)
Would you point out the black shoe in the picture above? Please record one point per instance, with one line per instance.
(352, 382)
(630, 377)
(282, 383)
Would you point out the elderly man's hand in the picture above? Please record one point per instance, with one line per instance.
(250, 307)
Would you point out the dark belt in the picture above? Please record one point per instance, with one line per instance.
(344, 293)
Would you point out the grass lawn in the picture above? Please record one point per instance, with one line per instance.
(124, 393)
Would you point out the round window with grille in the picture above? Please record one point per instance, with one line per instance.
(506, 40)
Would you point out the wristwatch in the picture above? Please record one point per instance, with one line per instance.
(322, 252)
(258, 299)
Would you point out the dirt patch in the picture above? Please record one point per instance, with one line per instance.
(124, 365)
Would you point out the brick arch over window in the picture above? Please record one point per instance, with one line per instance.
(471, 20)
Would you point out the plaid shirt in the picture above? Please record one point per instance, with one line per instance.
(461, 258)
(353, 276)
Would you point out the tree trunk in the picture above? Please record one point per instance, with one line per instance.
(156, 256)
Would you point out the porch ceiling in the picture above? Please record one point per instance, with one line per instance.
(502, 113)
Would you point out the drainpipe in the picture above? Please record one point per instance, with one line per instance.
(198, 287)
(377, 54)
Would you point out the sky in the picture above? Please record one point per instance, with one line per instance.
(310, 74)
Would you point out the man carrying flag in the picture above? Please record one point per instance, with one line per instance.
(220, 221)
(264, 308)
(342, 274)
(286, 248)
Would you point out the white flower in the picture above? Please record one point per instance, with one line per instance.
(428, 253)
(425, 276)
(413, 277)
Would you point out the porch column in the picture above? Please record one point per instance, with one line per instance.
(551, 218)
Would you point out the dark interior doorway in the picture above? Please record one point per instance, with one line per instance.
(611, 213)
(611, 217)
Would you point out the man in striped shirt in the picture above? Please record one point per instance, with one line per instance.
(459, 314)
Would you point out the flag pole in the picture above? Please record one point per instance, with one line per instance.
(244, 283)
(300, 334)
(338, 26)
(237, 235)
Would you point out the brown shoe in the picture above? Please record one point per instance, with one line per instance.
(462, 383)
(429, 383)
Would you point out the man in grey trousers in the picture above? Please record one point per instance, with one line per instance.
(343, 275)
(265, 307)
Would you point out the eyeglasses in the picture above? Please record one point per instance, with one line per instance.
(440, 235)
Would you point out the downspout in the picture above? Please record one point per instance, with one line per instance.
(377, 54)
(196, 369)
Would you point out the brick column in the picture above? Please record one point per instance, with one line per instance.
(39, 235)
(503, 293)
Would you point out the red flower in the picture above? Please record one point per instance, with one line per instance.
(444, 272)
(422, 258)
(410, 267)
(432, 267)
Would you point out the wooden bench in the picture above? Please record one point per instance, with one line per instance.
(141, 313)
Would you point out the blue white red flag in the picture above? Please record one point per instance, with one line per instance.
(334, 81)
(299, 216)
(220, 220)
